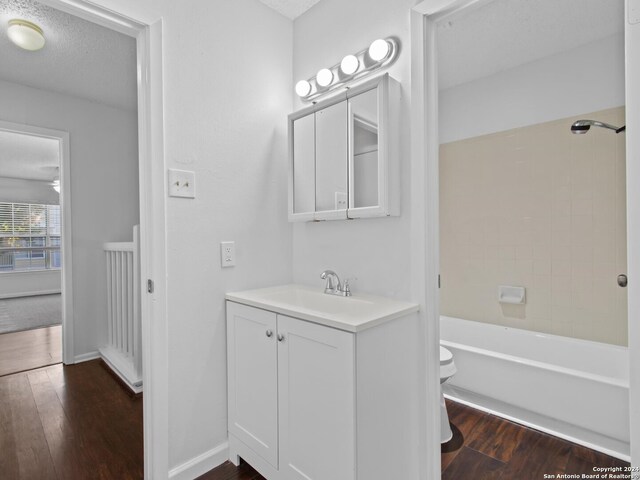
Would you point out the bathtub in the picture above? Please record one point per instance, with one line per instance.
(575, 389)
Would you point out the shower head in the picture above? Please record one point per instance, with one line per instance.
(583, 126)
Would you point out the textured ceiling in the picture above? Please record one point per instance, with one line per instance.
(79, 58)
(27, 156)
(506, 33)
(290, 8)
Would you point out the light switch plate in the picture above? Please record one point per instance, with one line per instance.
(182, 183)
(227, 254)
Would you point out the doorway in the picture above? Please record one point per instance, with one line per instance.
(31, 265)
(146, 29)
(432, 16)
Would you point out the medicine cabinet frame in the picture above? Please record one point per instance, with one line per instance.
(387, 94)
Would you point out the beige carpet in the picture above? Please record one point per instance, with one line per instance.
(26, 313)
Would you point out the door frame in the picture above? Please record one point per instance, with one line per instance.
(66, 283)
(424, 90)
(146, 27)
(632, 100)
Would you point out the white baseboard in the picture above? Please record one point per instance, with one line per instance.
(122, 368)
(85, 357)
(28, 294)
(201, 464)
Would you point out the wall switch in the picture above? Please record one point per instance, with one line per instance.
(182, 183)
(227, 254)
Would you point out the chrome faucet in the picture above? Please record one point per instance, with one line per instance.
(333, 285)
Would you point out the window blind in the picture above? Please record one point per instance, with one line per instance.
(25, 227)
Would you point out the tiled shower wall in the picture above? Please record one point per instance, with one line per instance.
(542, 208)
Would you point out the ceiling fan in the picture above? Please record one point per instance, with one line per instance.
(55, 181)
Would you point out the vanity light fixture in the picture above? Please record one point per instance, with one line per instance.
(379, 49)
(324, 77)
(303, 88)
(380, 53)
(349, 64)
(25, 34)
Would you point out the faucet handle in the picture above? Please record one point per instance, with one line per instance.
(346, 289)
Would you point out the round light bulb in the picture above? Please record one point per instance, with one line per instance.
(324, 77)
(25, 34)
(379, 49)
(349, 64)
(303, 88)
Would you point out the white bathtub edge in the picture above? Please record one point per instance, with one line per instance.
(542, 365)
(571, 433)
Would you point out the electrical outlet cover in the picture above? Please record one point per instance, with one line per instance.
(227, 254)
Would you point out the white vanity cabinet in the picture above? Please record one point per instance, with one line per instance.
(343, 154)
(308, 401)
(291, 397)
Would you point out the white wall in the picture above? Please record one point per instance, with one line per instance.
(104, 192)
(20, 284)
(375, 251)
(348, 247)
(227, 74)
(27, 191)
(585, 79)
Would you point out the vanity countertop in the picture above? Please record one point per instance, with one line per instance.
(352, 314)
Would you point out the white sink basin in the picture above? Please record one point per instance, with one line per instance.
(352, 314)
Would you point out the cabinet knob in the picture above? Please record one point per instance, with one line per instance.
(280, 337)
(269, 333)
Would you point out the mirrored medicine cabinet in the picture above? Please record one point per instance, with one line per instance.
(343, 160)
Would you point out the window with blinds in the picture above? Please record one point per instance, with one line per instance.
(29, 237)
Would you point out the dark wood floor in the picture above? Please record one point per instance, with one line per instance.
(486, 447)
(73, 422)
(77, 422)
(20, 351)
(227, 471)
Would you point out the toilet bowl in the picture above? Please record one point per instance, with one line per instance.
(447, 370)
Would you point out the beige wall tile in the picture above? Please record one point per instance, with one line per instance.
(541, 208)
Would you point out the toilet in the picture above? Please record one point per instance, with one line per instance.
(447, 370)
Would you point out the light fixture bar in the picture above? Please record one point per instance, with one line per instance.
(379, 54)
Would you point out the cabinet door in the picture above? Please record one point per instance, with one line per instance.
(316, 401)
(303, 188)
(331, 162)
(253, 379)
(373, 160)
(365, 175)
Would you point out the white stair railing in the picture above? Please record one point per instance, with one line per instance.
(123, 352)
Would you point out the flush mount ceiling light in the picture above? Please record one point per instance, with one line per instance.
(26, 34)
(379, 54)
